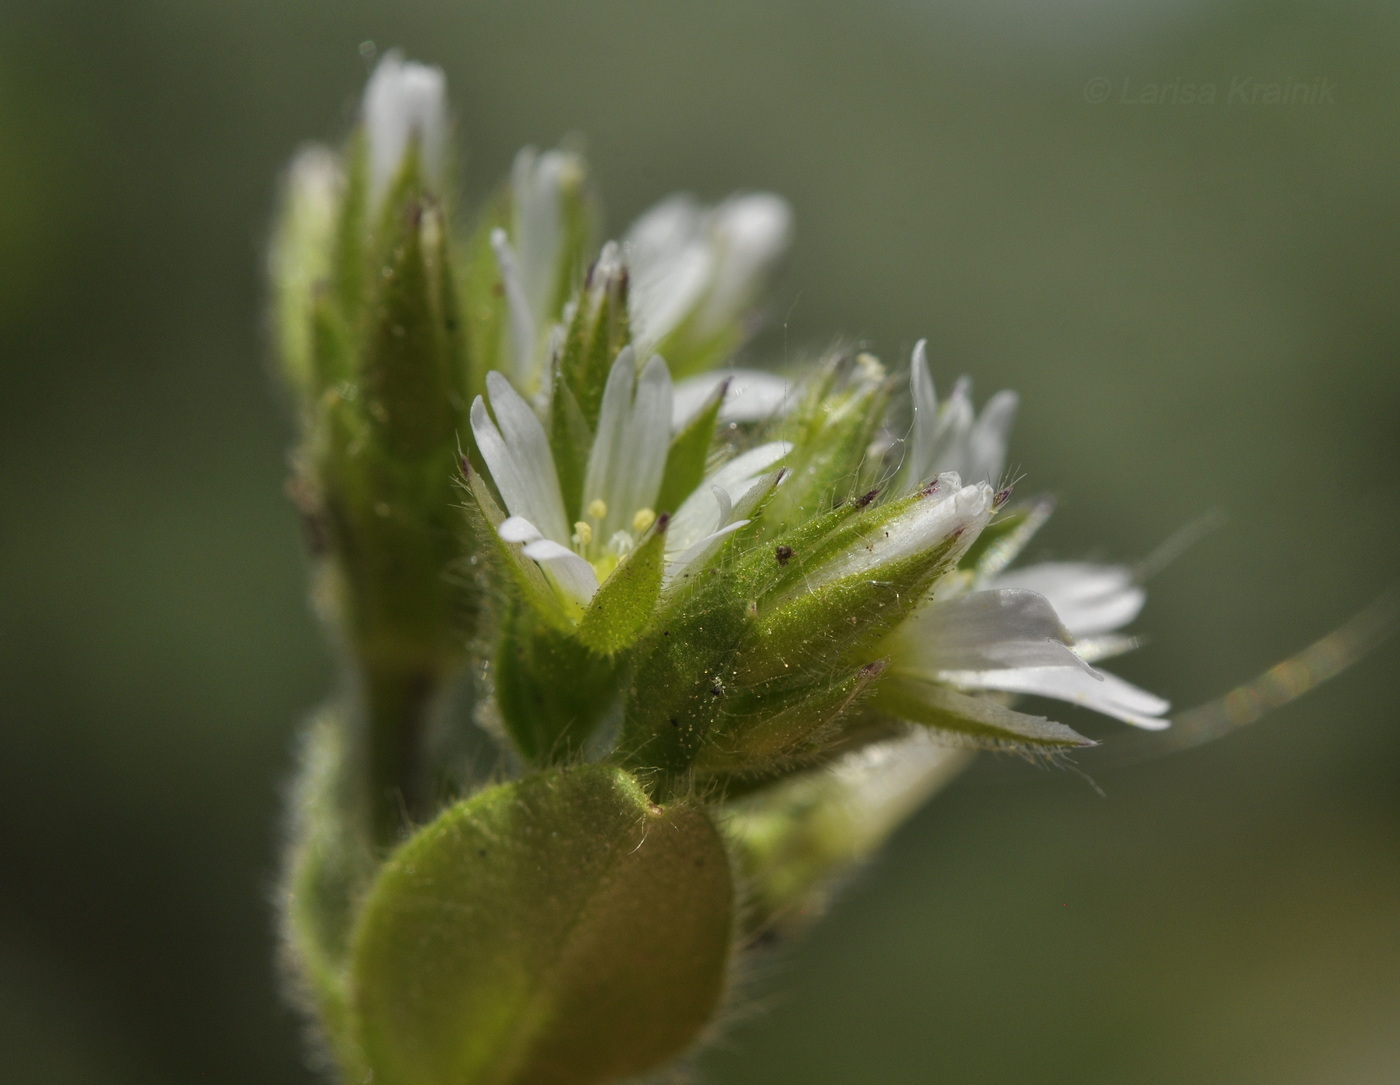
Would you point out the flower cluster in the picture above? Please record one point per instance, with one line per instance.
(767, 612)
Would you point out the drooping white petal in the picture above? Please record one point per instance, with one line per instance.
(948, 510)
(573, 576)
(736, 479)
(518, 457)
(1090, 599)
(522, 327)
(1100, 691)
(751, 395)
(403, 101)
(982, 630)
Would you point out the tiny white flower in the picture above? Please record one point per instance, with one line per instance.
(703, 264)
(621, 482)
(404, 101)
(952, 437)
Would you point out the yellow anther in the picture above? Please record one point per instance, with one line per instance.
(583, 534)
(643, 519)
(597, 508)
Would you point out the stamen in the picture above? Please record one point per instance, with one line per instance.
(597, 508)
(583, 533)
(643, 519)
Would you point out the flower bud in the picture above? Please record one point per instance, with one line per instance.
(300, 261)
(404, 110)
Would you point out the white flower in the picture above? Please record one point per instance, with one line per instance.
(531, 253)
(702, 264)
(952, 437)
(404, 101)
(621, 482)
(1015, 640)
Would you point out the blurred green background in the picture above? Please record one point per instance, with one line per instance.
(1197, 303)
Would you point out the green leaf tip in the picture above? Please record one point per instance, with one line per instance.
(557, 930)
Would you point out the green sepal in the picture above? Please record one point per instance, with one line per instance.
(831, 430)
(689, 353)
(973, 721)
(483, 300)
(551, 690)
(784, 724)
(1006, 536)
(796, 839)
(522, 573)
(689, 453)
(348, 271)
(597, 333)
(570, 441)
(328, 866)
(625, 601)
(814, 629)
(558, 930)
(407, 375)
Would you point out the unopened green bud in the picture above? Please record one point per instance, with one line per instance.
(831, 429)
(795, 840)
(300, 261)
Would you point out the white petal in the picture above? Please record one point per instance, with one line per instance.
(918, 466)
(949, 450)
(922, 525)
(1090, 599)
(648, 440)
(628, 458)
(670, 263)
(518, 529)
(751, 395)
(678, 565)
(573, 576)
(986, 444)
(983, 630)
(1107, 693)
(518, 457)
(748, 234)
(522, 321)
(403, 101)
(693, 520)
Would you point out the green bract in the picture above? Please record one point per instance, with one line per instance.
(641, 650)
